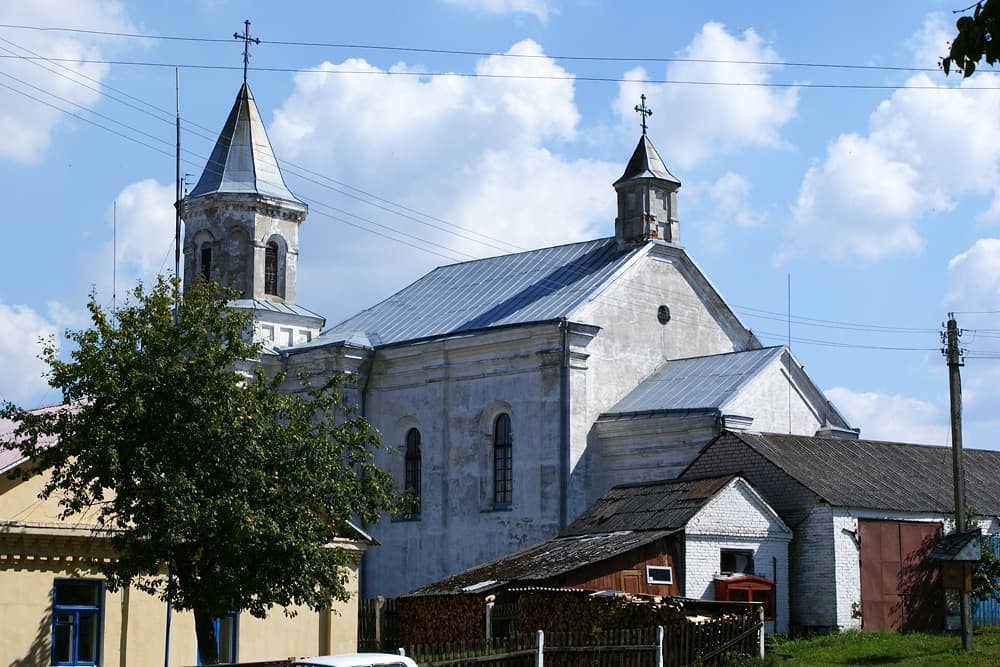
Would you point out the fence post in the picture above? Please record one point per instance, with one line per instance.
(540, 656)
(401, 650)
(760, 617)
(489, 620)
(659, 646)
(379, 602)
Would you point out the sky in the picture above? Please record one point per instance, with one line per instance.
(840, 192)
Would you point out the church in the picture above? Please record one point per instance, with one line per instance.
(511, 391)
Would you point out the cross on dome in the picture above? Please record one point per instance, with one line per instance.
(247, 41)
(642, 109)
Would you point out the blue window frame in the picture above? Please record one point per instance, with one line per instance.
(226, 635)
(77, 611)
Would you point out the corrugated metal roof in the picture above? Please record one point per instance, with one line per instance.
(647, 506)
(696, 382)
(274, 307)
(882, 475)
(535, 286)
(242, 160)
(646, 163)
(541, 562)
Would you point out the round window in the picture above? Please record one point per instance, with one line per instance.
(663, 314)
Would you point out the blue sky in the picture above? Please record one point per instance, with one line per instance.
(871, 190)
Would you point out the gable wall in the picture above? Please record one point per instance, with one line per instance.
(736, 519)
(632, 344)
(775, 403)
(452, 391)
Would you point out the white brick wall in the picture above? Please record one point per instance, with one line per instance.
(737, 518)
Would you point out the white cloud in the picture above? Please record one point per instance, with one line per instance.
(892, 416)
(716, 208)
(21, 330)
(974, 278)
(540, 9)
(921, 154)
(141, 242)
(27, 124)
(482, 155)
(932, 40)
(700, 122)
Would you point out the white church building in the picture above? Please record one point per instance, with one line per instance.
(512, 391)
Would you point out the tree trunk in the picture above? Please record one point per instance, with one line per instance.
(208, 646)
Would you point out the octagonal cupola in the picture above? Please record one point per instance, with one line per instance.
(647, 195)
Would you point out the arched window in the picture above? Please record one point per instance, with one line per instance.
(503, 463)
(206, 261)
(411, 482)
(271, 268)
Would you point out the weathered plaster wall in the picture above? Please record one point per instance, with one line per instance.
(632, 343)
(452, 391)
(776, 403)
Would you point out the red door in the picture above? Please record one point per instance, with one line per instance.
(900, 583)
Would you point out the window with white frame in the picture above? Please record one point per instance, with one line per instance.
(659, 574)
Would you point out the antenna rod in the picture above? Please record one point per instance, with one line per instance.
(114, 258)
(177, 183)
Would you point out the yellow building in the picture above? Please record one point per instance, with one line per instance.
(55, 609)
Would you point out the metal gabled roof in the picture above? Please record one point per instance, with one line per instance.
(242, 160)
(522, 288)
(707, 382)
(646, 163)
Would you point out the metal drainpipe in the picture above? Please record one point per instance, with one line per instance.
(564, 407)
(363, 584)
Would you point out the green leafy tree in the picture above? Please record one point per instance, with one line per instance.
(221, 492)
(977, 39)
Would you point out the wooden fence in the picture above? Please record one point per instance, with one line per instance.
(378, 625)
(700, 643)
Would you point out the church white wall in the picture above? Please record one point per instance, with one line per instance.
(650, 448)
(632, 344)
(452, 390)
(776, 403)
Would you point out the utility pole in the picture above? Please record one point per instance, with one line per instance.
(954, 357)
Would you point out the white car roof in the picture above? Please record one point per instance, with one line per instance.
(356, 660)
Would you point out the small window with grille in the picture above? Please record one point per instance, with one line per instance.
(503, 463)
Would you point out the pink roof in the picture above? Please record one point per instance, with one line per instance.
(11, 457)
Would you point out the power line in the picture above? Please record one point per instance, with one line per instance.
(500, 54)
(525, 77)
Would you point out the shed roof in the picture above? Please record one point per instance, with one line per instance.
(696, 382)
(881, 475)
(661, 505)
(242, 160)
(541, 562)
(521, 288)
(625, 518)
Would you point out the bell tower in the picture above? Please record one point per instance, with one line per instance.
(242, 228)
(647, 195)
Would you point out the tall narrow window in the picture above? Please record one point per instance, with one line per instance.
(206, 261)
(411, 483)
(271, 268)
(76, 622)
(503, 463)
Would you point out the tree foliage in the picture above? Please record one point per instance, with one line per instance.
(221, 492)
(976, 40)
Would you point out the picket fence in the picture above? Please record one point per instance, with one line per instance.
(699, 643)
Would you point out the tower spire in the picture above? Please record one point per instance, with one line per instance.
(248, 40)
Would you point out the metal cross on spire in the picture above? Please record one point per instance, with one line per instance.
(247, 41)
(641, 108)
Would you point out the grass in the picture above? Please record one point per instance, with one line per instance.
(883, 648)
